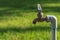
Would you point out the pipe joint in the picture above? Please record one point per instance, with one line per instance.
(53, 20)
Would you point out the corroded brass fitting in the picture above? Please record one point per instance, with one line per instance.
(40, 16)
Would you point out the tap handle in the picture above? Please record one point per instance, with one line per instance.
(39, 7)
(40, 14)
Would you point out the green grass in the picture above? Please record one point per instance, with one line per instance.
(16, 18)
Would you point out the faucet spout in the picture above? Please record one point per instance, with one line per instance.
(39, 20)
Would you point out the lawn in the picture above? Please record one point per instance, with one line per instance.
(16, 18)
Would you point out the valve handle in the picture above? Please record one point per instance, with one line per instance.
(40, 14)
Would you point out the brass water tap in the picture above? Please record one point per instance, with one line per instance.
(40, 16)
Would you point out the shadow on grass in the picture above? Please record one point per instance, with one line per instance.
(20, 3)
(16, 29)
(11, 12)
(24, 30)
(51, 9)
(24, 5)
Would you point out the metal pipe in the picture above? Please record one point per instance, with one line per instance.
(54, 34)
(53, 21)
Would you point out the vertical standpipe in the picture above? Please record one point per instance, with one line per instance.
(53, 21)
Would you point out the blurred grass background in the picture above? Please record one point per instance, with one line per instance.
(16, 18)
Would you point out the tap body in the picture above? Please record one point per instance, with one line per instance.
(40, 16)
